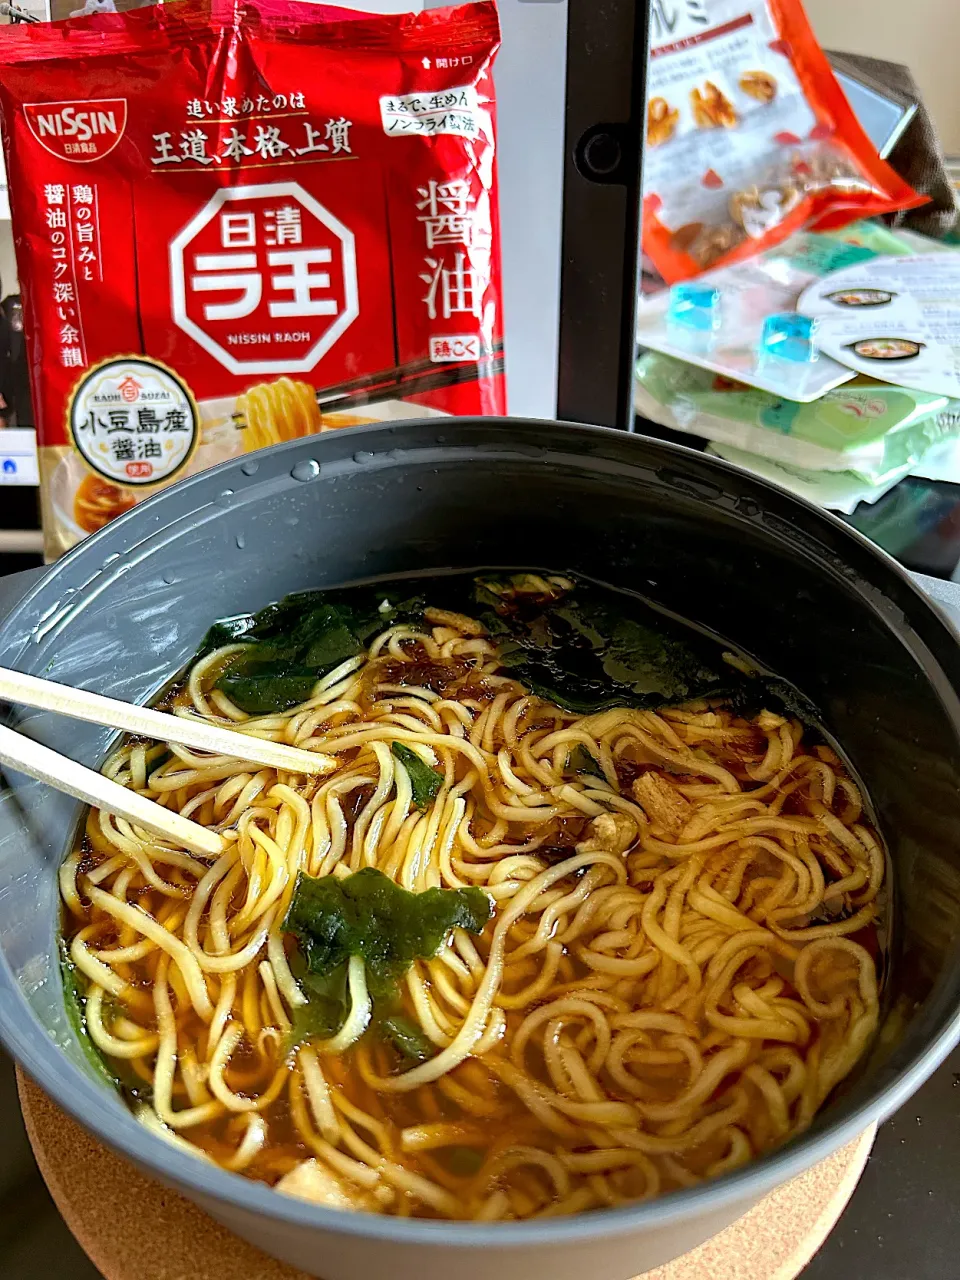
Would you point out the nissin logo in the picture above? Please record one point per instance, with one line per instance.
(78, 131)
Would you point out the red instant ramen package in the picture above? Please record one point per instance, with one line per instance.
(242, 223)
(749, 136)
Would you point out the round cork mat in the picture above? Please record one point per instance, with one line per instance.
(105, 1202)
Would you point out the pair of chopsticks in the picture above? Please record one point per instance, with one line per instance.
(393, 378)
(450, 376)
(37, 761)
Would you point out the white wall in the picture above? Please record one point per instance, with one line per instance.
(8, 262)
(922, 34)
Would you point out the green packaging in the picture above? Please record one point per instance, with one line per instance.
(869, 428)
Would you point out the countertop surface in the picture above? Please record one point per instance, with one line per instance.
(903, 1222)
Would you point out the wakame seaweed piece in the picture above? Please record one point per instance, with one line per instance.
(365, 610)
(319, 637)
(293, 643)
(581, 761)
(648, 656)
(368, 915)
(424, 781)
(406, 1037)
(766, 693)
(226, 631)
(327, 1004)
(791, 702)
(582, 648)
(280, 671)
(323, 638)
(592, 650)
(371, 609)
(75, 1005)
(265, 693)
(279, 620)
(462, 1161)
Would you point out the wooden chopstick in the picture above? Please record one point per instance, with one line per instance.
(186, 731)
(27, 756)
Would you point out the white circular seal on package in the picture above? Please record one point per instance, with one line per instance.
(134, 421)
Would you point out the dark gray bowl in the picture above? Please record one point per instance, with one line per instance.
(796, 588)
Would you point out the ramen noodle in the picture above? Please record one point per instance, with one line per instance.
(277, 411)
(505, 959)
(222, 255)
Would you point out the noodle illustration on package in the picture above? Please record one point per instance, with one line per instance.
(289, 232)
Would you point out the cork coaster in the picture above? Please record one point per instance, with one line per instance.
(105, 1202)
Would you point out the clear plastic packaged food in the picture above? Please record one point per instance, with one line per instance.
(867, 428)
(841, 491)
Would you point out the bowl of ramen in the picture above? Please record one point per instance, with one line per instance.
(861, 297)
(625, 893)
(886, 348)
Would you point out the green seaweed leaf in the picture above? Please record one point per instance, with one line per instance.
(263, 693)
(406, 1037)
(587, 649)
(581, 761)
(368, 915)
(463, 1162)
(75, 1004)
(290, 645)
(424, 781)
(327, 1004)
(582, 647)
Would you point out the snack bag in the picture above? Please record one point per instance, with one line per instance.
(749, 136)
(237, 224)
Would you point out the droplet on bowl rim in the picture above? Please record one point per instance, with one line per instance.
(307, 469)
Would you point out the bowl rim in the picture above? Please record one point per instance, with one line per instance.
(104, 1114)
